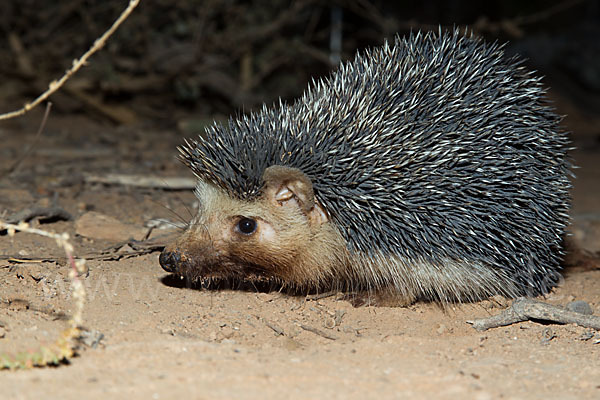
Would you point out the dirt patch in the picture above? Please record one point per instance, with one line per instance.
(161, 339)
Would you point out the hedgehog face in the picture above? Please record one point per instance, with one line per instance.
(271, 238)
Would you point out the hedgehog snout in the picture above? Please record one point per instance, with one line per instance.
(191, 258)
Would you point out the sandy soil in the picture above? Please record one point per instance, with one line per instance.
(165, 340)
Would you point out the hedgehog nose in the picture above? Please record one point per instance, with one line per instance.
(168, 260)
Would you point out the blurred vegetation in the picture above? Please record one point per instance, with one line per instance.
(217, 57)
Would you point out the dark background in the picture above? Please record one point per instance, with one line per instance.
(182, 63)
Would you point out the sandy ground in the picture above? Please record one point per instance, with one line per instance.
(164, 340)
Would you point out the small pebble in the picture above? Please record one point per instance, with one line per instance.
(547, 335)
(329, 323)
(580, 307)
(167, 331)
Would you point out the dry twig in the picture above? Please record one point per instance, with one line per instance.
(156, 182)
(34, 212)
(318, 332)
(524, 309)
(77, 64)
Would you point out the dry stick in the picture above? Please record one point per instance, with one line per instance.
(279, 331)
(64, 346)
(33, 212)
(524, 309)
(318, 332)
(158, 182)
(77, 64)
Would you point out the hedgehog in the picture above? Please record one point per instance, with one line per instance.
(433, 168)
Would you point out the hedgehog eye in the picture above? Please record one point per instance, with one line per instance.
(247, 226)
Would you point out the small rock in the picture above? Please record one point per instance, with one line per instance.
(265, 297)
(547, 335)
(580, 306)
(329, 323)
(167, 331)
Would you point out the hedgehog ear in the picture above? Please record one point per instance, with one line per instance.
(285, 186)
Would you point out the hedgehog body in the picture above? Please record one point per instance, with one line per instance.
(431, 168)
